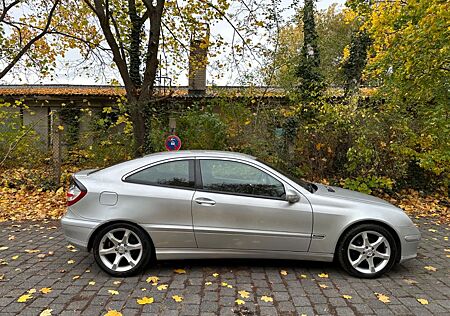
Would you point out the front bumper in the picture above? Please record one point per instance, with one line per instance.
(78, 230)
(409, 239)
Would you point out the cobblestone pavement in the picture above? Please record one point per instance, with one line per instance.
(37, 256)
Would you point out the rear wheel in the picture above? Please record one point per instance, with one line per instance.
(122, 249)
(367, 251)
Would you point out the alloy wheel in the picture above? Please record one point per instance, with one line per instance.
(369, 252)
(120, 249)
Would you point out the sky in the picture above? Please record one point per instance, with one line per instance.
(65, 76)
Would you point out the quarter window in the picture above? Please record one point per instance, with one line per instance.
(240, 178)
(176, 173)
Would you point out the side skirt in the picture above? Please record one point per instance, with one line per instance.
(196, 253)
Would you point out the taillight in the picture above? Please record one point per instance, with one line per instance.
(76, 192)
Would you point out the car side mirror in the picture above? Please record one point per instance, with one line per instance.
(292, 196)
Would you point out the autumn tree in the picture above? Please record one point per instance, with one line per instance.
(23, 36)
(333, 33)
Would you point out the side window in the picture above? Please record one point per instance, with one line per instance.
(176, 173)
(236, 177)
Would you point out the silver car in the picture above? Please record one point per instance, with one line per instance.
(211, 204)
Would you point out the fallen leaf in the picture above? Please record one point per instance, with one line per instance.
(179, 271)
(3, 248)
(45, 290)
(113, 292)
(46, 312)
(32, 250)
(15, 257)
(430, 268)
(145, 300)
(2, 276)
(410, 282)
(224, 284)
(347, 297)
(422, 301)
(91, 283)
(239, 302)
(113, 312)
(11, 237)
(71, 261)
(215, 275)
(266, 298)
(432, 230)
(283, 272)
(323, 286)
(152, 279)
(244, 294)
(383, 298)
(177, 298)
(31, 291)
(41, 256)
(24, 298)
(162, 287)
(323, 275)
(76, 277)
(303, 276)
(208, 283)
(117, 282)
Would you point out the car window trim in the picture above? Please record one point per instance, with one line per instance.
(199, 184)
(191, 171)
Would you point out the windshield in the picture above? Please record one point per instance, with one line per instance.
(305, 184)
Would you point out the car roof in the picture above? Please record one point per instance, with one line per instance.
(194, 153)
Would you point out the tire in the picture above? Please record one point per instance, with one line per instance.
(367, 251)
(119, 255)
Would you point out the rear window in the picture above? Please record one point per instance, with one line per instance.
(174, 174)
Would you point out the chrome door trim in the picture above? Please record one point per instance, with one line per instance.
(234, 231)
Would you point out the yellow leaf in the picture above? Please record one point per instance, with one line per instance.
(430, 268)
(383, 298)
(91, 283)
(113, 292)
(323, 275)
(45, 290)
(71, 261)
(179, 271)
(145, 300)
(266, 299)
(422, 301)
(410, 282)
(229, 286)
(432, 230)
(239, 302)
(177, 298)
(76, 277)
(31, 291)
(244, 294)
(24, 298)
(15, 257)
(323, 286)
(208, 283)
(152, 279)
(117, 282)
(162, 287)
(2, 276)
(46, 312)
(347, 297)
(3, 248)
(303, 276)
(113, 312)
(224, 284)
(215, 275)
(32, 250)
(283, 272)
(60, 127)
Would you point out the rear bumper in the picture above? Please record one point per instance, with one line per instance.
(78, 231)
(409, 239)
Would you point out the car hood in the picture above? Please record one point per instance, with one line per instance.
(340, 193)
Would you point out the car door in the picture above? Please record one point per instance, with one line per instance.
(239, 206)
(159, 198)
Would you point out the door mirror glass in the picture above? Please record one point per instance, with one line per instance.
(292, 196)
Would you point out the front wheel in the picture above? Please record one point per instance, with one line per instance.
(122, 249)
(367, 251)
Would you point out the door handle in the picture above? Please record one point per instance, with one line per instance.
(204, 201)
